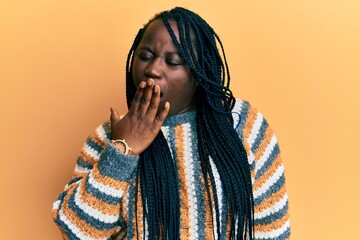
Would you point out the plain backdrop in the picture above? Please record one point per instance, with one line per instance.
(62, 67)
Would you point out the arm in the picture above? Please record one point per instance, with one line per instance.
(267, 171)
(89, 207)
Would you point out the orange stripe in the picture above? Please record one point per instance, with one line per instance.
(274, 198)
(139, 216)
(273, 225)
(228, 227)
(63, 234)
(84, 227)
(264, 143)
(96, 138)
(249, 123)
(208, 218)
(269, 173)
(96, 203)
(87, 158)
(184, 196)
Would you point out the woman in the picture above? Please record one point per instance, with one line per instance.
(188, 160)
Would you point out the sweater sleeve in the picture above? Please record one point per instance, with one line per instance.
(90, 206)
(267, 172)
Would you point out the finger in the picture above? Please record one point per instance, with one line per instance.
(160, 118)
(154, 102)
(146, 97)
(138, 95)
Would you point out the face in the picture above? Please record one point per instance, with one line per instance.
(156, 57)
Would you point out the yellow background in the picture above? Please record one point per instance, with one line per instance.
(62, 67)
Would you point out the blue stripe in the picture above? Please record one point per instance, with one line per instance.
(273, 189)
(252, 165)
(274, 153)
(88, 219)
(94, 145)
(131, 211)
(273, 217)
(82, 163)
(171, 140)
(107, 127)
(100, 195)
(245, 107)
(61, 197)
(73, 180)
(116, 165)
(260, 136)
(65, 228)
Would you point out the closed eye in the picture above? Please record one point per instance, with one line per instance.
(145, 57)
(174, 63)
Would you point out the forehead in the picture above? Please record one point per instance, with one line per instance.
(157, 31)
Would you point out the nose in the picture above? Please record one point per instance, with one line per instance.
(154, 69)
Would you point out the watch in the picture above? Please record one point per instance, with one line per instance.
(127, 150)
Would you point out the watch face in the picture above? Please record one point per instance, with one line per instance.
(121, 146)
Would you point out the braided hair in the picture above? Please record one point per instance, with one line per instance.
(157, 178)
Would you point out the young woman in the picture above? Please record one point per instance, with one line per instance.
(188, 160)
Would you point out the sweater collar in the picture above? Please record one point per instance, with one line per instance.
(182, 118)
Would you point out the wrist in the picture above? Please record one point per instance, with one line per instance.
(123, 147)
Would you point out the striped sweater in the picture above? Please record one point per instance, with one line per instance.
(99, 200)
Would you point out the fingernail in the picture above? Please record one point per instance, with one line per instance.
(142, 84)
(167, 105)
(156, 89)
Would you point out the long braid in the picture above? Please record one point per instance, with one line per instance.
(217, 139)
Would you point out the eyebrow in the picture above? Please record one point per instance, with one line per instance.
(149, 49)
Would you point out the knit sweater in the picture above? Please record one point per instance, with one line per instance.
(99, 200)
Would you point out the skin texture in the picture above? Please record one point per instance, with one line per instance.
(163, 80)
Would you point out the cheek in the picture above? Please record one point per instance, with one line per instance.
(137, 71)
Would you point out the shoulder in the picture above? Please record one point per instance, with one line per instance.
(245, 116)
(252, 126)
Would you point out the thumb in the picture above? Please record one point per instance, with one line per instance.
(114, 115)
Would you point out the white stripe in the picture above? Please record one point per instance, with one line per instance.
(272, 209)
(76, 231)
(190, 181)
(79, 169)
(237, 109)
(251, 158)
(125, 203)
(56, 204)
(106, 218)
(219, 192)
(165, 130)
(270, 182)
(118, 193)
(255, 129)
(89, 150)
(269, 148)
(102, 133)
(146, 230)
(274, 233)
